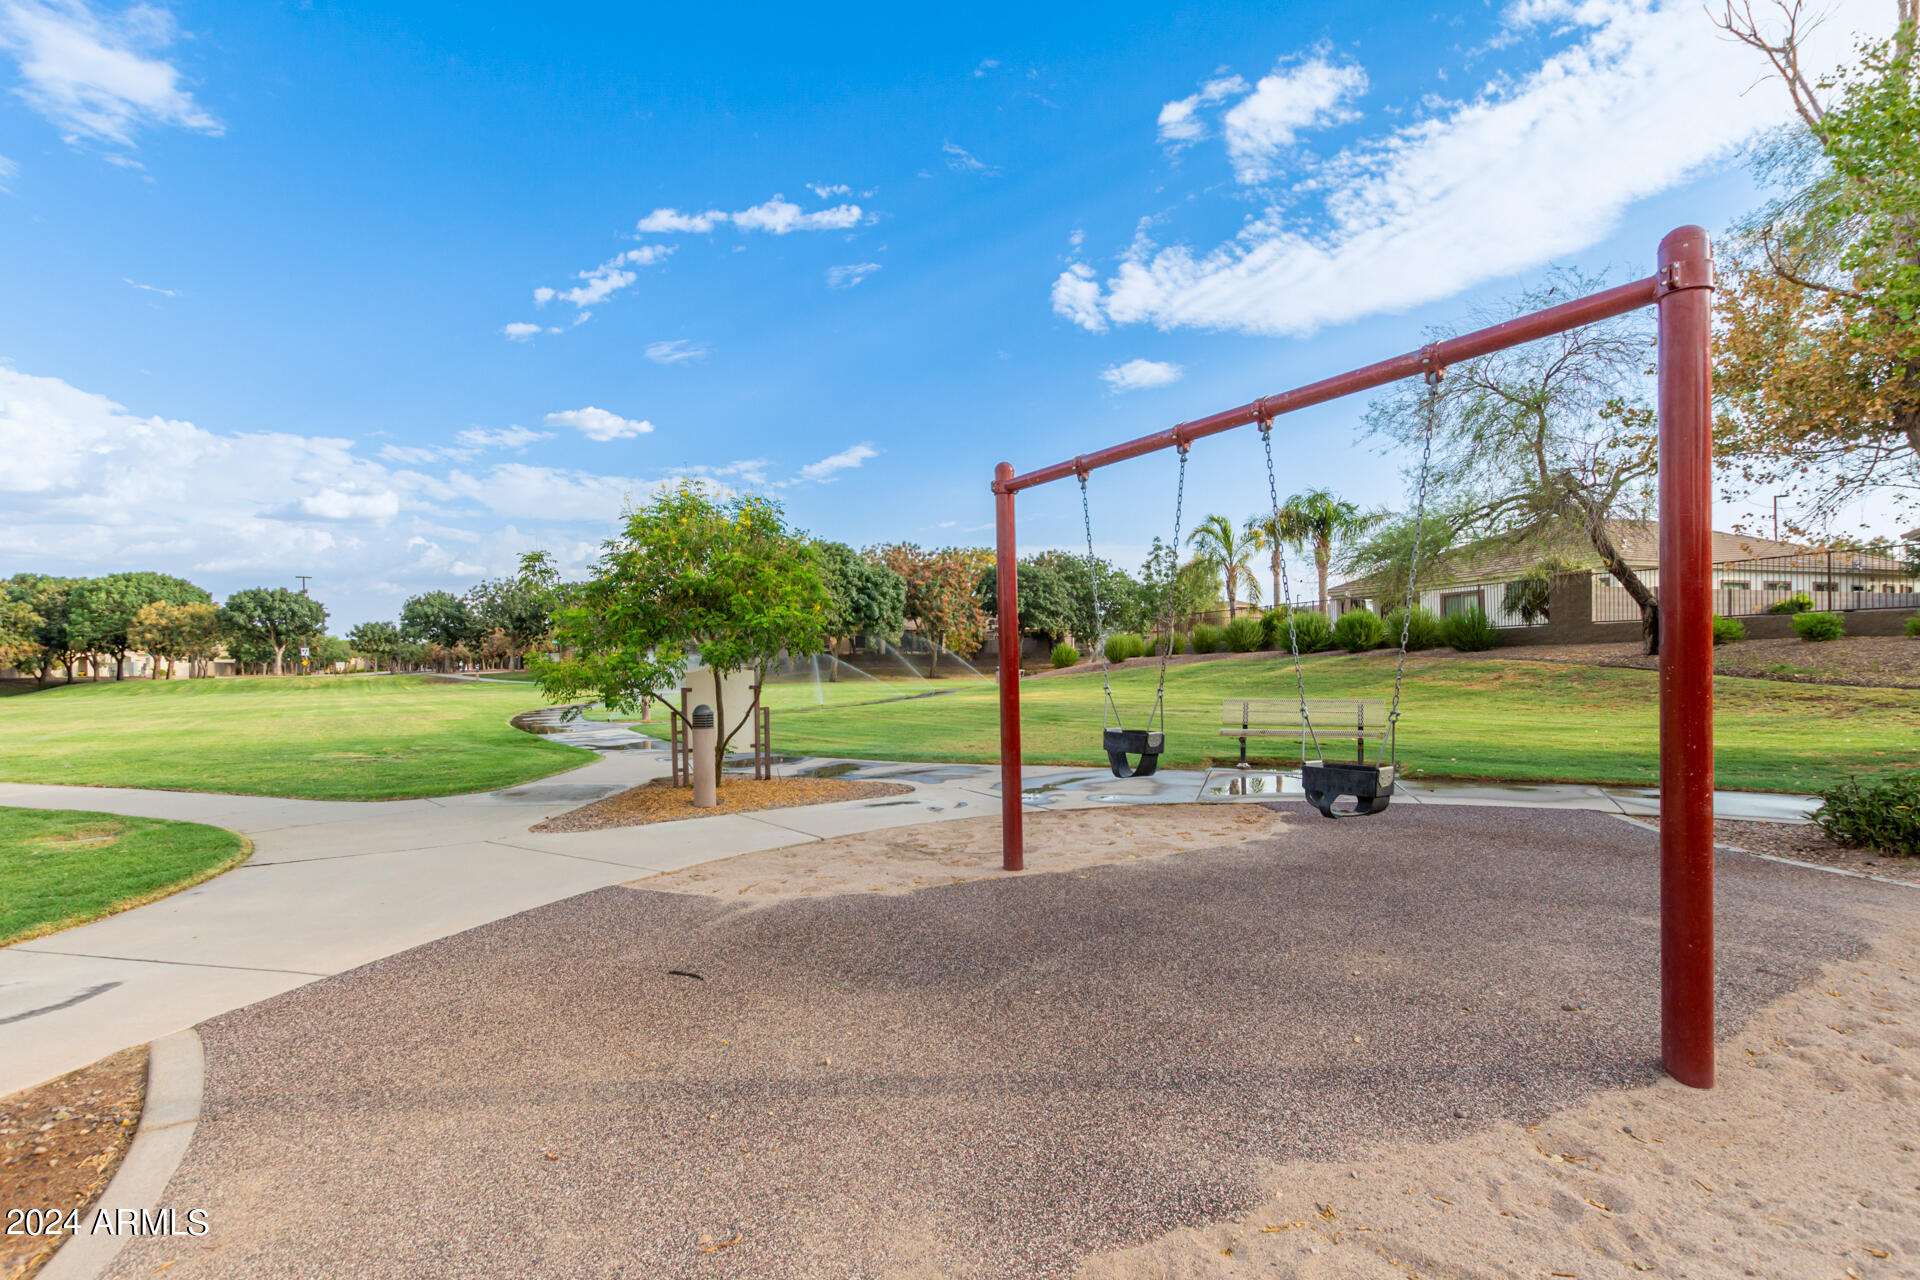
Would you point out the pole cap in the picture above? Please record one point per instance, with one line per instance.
(703, 716)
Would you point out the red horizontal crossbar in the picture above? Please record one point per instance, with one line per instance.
(1512, 333)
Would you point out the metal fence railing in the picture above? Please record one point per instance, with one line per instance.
(1836, 581)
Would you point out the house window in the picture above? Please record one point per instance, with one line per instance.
(1826, 586)
(1778, 586)
(1454, 603)
(1735, 584)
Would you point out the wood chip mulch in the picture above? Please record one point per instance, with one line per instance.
(60, 1143)
(658, 802)
(1804, 843)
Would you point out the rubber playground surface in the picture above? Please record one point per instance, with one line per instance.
(995, 1078)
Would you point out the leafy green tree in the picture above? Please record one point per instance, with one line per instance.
(1817, 367)
(1169, 593)
(325, 651)
(519, 608)
(689, 574)
(940, 594)
(438, 617)
(1531, 594)
(18, 623)
(869, 599)
(261, 620)
(40, 602)
(100, 611)
(1046, 603)
(1314, 520)
(377, 642)
(1229, 552)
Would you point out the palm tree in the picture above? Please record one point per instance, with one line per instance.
(1216, 542)
(1313, 519)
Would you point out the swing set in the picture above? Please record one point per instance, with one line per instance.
(1681, 289)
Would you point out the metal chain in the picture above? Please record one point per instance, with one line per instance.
(1286, 599)
(1179, 502)
(1109, 714)
(1432, 408)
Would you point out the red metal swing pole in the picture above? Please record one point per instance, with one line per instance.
(1686, 656)
(1007, 608)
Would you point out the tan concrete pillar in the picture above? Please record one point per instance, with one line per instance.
(705, 785)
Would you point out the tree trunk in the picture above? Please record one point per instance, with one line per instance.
(1596, 522)
(279, 659)
(719, 731)
(1322, 555)
(1233, 587)
(1279, 597)
(933, 656)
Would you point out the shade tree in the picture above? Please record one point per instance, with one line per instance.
(100, 611)
(689, 574)
(941, 597)
(259, 621)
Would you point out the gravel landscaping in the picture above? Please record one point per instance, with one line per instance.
(659, 802)
(59, 1145)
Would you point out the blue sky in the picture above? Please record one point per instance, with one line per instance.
(388, 294)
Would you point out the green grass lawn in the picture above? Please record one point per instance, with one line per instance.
(320, 738)
(1462, 718)
(61, 867)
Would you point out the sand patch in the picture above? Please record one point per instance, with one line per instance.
(1805, 1161)
(903, 859)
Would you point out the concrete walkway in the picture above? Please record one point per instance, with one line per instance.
(336, 884)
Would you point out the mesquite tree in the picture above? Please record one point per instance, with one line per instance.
(1540, 446)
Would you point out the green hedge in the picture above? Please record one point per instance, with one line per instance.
(1425, 633)
(1065, 655)
(1882, 814)
(1243, 635)
(1358, 630)
(1206, 637)
(1728, 630)
(1819, 626)
(1470, 631)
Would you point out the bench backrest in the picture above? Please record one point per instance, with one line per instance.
(1332, 717)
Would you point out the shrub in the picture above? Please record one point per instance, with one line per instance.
(1728, 630)
(1065, 655)
(1206, 638)
(1470, 631)
(1913, 626)
(1881, 814)
(1243, 635)
(1125, 644)
(1312, 628)
(1798, 602)
(1425, 633)
(1273, 628)
(1359, 629)
(1818, 626)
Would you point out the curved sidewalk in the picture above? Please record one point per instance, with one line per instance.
(336, 884)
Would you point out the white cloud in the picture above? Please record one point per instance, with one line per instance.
(674, 351)
(961, 160)
(850, 275)
(598, 424)
(1290, 99)
(778, 216)
(509, 437)
(520, 331)
(1532, 167)
(828, 192)
(1180, 124)
(781, 216)
(1137, 375)
(986, 65)
(823, 471)
(1076, 295)
(97, 75)
(150, 288)
(7, 170)
(668, 221)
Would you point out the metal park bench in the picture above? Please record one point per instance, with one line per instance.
(1361, 720)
